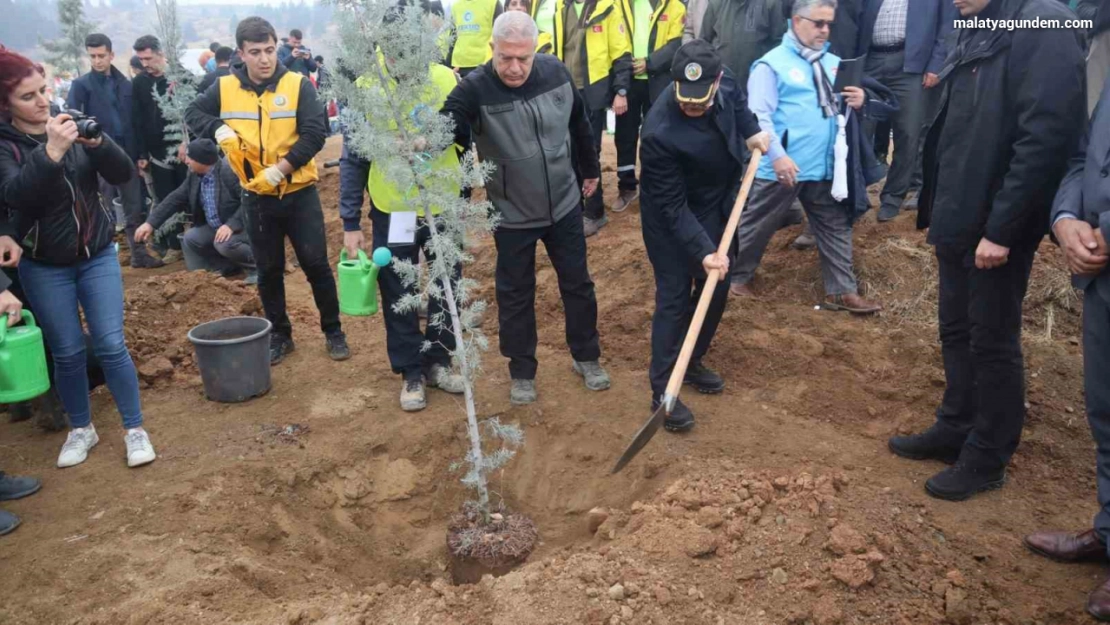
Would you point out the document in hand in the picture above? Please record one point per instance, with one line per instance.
(849, 74)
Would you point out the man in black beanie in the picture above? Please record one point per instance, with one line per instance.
(210, 197)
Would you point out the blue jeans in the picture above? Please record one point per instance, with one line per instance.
(96, 284)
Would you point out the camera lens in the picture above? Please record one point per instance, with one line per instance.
(88, 129)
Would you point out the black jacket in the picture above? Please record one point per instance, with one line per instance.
(864, 168)
(149, 127)
(203, 116)
(186, 199)
(211, 77)
(56, 208)
(108, 99)
(1011, 113)
(683, 214)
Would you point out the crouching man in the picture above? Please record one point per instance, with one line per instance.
(692, 156)
(210, 195)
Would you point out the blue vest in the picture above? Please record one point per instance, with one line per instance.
(809, 134)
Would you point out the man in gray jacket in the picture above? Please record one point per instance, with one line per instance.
(525, 115)
(1081, 224)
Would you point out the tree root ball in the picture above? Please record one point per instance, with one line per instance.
(496, 548)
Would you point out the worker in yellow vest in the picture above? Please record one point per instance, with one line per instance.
(592, 39)
(404, 339)
(656, 27)
(271, 125)
(472, 21)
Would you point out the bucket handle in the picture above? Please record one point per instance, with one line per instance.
(363, 261)
(28, 319)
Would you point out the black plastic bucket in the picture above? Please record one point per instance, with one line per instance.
(233, 356)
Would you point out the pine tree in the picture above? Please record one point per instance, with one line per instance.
(67, 52)
(182, 88)
(391, 49)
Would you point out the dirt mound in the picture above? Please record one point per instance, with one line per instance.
(160, 312)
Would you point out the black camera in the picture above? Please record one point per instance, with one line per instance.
(87, 127)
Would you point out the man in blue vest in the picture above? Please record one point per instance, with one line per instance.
(791, 87)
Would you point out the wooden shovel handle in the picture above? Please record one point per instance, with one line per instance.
(679, 373)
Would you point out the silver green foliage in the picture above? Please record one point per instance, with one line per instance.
(182, 86)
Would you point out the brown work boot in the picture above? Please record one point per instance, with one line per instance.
(1068, 546)
(1098, 603)
(852, 303)
(741, 290)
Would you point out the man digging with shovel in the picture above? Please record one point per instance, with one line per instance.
(691, 156)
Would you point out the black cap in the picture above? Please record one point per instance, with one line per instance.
(694, 70)
(203, 151)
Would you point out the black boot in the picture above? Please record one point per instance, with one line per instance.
(932, 444)
(962, 480)
(140, 257)
(337, 346)
(280, 346)
(703, 379)
(680, 419)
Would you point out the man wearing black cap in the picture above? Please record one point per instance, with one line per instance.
(692, 153)
(210, 196)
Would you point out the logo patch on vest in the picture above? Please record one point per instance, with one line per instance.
(599, 28)
(693, 72)
(468, 16)
(280, 100)
(663, 17)
(797, 76)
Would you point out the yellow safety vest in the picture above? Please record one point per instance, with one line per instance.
(473, 30)
(267, 128)
(607, 39)
(384, 194)
(667, 22)
(543, 46)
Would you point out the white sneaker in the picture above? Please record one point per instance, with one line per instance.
(78, 444)
(139, 449)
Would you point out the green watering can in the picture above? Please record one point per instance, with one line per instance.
(358, 282)
(23, 373)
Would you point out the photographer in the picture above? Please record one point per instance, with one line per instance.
(296, 57)
(48, 180)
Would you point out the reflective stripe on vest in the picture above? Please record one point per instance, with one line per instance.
(473, 27)
(384, 194)
(267, 126)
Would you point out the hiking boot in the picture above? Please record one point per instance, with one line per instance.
(139, 449)
(596, 377)
(680, 419)
(442, 378)
(703, 379)
(77, 446)
(931, 444)
(625, 199)
(591, 226)
(888, 212)
(337, 346)
(13, 487)
(413, 398)
(251, 279)
(805, 240)
(741, 290)
(172, 256)
(280, 347)
(522, 392)
(962, 480)
(851, 302)
(8, 522)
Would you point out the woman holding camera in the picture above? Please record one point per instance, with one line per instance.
(48, 180)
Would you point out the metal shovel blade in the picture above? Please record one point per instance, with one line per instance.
(642, 437)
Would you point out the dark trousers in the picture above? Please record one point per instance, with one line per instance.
(130, 195)
(595, 204)
(930, 105)
(565, 243)
(628, 133)
(166, 180)
(298, 216)
(882, 140)
(676, 296)
(886, 67)
(1096, 372)
(403, 339)
(980, 334)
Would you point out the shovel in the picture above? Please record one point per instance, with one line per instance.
(674, 385)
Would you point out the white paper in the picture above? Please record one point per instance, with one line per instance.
(402, 228)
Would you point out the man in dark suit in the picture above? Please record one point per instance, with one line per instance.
(904, 41)
(1081, 223)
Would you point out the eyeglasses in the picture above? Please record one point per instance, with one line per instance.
(820, 24)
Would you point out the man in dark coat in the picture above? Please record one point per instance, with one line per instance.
(1081, 223)
(223, 68)
(105, 93)
(744, 30)
(1013, 106)
(692, 153)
